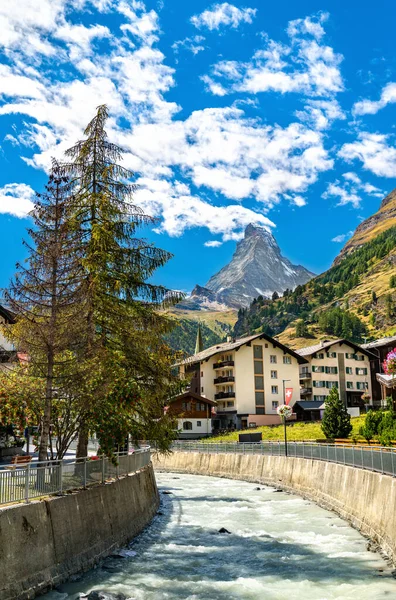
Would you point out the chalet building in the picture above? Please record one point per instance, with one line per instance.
(247, 377)
(336, 363)
(379, 349)
(194, 415)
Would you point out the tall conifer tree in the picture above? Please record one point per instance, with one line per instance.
(122, 322)
(45, 295)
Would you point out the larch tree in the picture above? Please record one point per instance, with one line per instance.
(124, 327)
(45, 298)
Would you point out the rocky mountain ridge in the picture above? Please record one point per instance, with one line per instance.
(257, 268)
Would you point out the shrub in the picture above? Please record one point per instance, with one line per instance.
(336, 421)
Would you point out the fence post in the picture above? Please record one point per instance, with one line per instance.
(103, 468)
(61, 477)
(27, 477)
(382, 464)
(85, 473)
(393, 470)
(361, 453)
(343, 453)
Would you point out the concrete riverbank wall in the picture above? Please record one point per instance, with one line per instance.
(367, 500)
(43, 543)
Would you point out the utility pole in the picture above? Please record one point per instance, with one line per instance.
(284, 417)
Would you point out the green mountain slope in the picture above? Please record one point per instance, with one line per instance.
(183, 336)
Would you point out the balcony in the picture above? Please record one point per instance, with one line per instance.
(222, 395)
(223, 363)
(305, 375)
(228, 379)
(305, 391)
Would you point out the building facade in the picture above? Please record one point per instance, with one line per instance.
(247, 378)
(379, 350)
(194, 415)
(341, 364)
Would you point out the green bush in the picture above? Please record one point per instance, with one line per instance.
(336, 422)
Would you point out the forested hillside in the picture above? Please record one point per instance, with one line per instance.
(183, 336)
(356, 298)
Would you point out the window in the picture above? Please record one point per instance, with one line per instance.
(258, 352)
(331, 384)
(318, 384)
(199, 423)
(275, 404)
(321, 355)
(316, 369)
(359, 357)
(274, 374)
(320, 398)
(349, 370)
(331, 354)
(351, 356)
(230, 404)
(259, 383)
(258, 367)
(287, 360)
(260, 411)
(259, 398)
(349, 385)
(187, 425)
(332, 370)
(266, 345)
(361, 371)
(274, 389)
(186, 406)
(361, 385)
(202, 390)
(273, 359)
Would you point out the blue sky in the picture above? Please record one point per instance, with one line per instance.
(281, 114)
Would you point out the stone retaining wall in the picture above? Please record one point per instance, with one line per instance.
(367, 500)
(45, 542)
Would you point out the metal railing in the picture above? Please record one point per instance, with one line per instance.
(373, 458)
(21, 483)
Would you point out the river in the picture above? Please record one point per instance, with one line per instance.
(280, 547)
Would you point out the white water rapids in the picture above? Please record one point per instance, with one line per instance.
(281, 547)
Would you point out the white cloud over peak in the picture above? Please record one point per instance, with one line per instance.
(349, 190)
(342, 237)
(305, 65)
(16, 199)
(213, 244)
(374, 151)
(224, 14)
(371, 107)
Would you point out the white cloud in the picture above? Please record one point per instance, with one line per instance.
(16, 199)
(223, 157)
(192, 44)
(371, 107)
(305, 65)
(320, 114)
(350, 190)
(342, 237)
(213, 244)
(224, 14)
(374, 152)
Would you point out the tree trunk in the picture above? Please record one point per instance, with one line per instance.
(46, 423)
(82, 444)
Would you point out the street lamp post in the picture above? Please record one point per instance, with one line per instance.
(285, 412)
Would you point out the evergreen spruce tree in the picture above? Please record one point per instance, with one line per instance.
(45, 297)
(336, 422)
(124, 328)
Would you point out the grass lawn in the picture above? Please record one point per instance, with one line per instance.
(295, 431)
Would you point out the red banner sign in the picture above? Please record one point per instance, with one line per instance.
(288, 395)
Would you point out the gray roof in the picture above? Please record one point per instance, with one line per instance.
(228, 346)
(381, 342)
(388, 380)
(310, 404)
(326, 344)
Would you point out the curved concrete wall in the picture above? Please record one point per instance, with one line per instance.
(43, 543)
(364, 498)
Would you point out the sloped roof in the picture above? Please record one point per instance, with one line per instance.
(388, 380)
(310, 404)
(7, 315)
(380, 342)
(326, 344)
(195, 396)
(228, 346)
